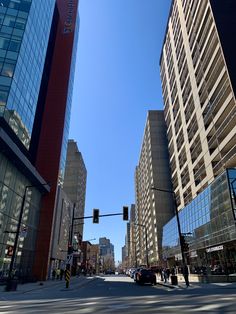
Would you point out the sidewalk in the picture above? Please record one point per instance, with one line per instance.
(195, 284)
(31, 286)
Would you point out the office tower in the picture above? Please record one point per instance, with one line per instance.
(152, 209)
(22, 56)
(54, 112)
(198, 82)
(75, 183)
(38, 47)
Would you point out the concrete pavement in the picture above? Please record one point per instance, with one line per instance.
(31, 286)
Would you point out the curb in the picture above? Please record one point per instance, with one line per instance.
(56, 284)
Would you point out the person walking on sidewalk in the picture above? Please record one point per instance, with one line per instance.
(186, 274)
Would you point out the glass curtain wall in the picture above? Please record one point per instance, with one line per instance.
(208, 224)
(12, 187)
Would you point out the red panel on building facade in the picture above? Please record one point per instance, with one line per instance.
(50, 141)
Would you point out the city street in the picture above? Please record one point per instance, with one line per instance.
(117, 294)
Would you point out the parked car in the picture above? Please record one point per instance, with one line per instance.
(136, 272)
(109, 272)
(146, 276)
(132, 272)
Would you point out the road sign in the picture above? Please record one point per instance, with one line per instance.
(69, 259)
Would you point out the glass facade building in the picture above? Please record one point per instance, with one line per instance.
(208, 223)
(12, 185)
(38, 41)
(24, 33)
(25, 28)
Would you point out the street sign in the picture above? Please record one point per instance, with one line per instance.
(69, 259)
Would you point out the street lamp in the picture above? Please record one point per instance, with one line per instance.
(10, 277)
(177, 218)
(145, 241)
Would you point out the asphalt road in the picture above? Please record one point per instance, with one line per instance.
(119, 294)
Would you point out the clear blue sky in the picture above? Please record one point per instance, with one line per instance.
(117, 81)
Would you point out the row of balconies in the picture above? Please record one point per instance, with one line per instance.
(189, 110)
(217, 100)
(192, 128)
(182, 158)
(197, 20)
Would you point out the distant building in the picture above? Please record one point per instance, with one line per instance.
(132, 255)
(75, 183)
(152, 210)
(124, 256)
(61, 231)
(107, 253)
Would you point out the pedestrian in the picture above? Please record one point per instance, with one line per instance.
(165, 275)
(58, 273)
(53, 274)
(172, 271)
(186, 274)
(61, 273)
(168, 273)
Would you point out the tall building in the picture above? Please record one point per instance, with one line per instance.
(152, 210)
(61, 231)
(198, 81)
(106, 247)
(36, 80)
(75, 183)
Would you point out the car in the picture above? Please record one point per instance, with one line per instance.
(146, 276)
(109, 272)
(132, 272)
(135, 273)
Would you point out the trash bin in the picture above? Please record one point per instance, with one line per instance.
(174, 280)
(11, 285)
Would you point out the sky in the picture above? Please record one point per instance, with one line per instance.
(117, 80)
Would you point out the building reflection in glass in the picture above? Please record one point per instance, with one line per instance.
(209, 224)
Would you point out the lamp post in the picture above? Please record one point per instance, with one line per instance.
(10, 277)
(147, 261)
(177, 218)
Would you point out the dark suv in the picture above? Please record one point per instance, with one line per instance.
(146, 276)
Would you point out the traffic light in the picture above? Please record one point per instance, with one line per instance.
(184, 244)
(125, 213)
(96, 216)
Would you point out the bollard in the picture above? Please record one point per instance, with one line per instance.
(67, 277)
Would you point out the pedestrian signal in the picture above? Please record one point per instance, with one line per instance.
(9, 250)
(96, 216)
(125, 213)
